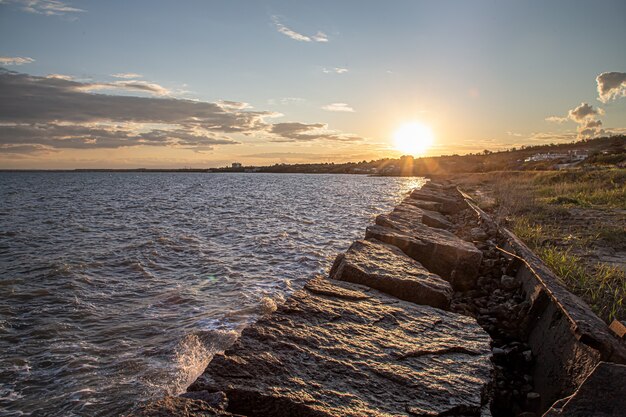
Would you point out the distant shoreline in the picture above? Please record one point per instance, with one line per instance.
(596, 152)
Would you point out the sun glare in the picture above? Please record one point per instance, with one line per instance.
(413, 138)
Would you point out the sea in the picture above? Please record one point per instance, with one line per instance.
(117, 288)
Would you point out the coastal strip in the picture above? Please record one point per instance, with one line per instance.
(436, 312)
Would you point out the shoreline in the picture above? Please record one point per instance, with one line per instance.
(435, 288)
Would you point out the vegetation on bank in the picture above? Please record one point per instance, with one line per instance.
(574, 220)
(600, 150)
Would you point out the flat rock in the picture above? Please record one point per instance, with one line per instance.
(415, 214)
(426, 205)
(179, 407)
(450, 199)
(603, 393)
(423, 204)
(388, 269)
(440, 251)
(324, 355)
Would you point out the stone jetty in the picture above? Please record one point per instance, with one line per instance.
(436, 312)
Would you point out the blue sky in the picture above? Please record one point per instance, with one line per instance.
(481, 74)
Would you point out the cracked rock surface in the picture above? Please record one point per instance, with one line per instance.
(336, 348)
(440, 251)
(387, 269)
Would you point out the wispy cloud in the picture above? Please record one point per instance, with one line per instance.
(127, 75)
(45, 7)
(557, 119)
(318, 37)
(548, 137)
(336, 70)
(233, 105)
(611, 85)
(15, 60)
(339, 107)
(48, 113)
(132, 85)
(285, 101)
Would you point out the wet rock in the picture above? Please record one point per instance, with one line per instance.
(178, 407)
(386, 268)
(440, 251)
(321, 355)
(602, 393)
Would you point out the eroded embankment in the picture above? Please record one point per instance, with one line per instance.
(436, 312)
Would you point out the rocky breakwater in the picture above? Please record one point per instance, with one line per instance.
(375, 338)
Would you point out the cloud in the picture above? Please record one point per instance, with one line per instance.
(58, 113)
(71, 136)
(585, 115)
(588, 126)
(60, 76)
(338, 107)
(126, 75)
(132, 85)
(611, 85)
(45, 7)
(17, 60)
(303, 132)
(557, 119)
(583, 112)
(234, 105)
(318, 37)
(590, 129)
(285, 101)
(547, 137)
(336, 70)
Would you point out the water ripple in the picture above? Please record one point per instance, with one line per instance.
(117, 287)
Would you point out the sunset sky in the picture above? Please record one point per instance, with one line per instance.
(206, 83)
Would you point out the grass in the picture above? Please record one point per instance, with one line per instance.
(567, 218)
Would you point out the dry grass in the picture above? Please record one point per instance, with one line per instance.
(565, 217)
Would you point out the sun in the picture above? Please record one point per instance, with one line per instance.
(413, 138)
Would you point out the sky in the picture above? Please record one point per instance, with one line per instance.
(128, 84)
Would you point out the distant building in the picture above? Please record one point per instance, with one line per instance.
(570, 156)
(236, 165)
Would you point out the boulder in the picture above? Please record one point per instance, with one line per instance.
(603, 393)
(340, 349)
(415, 214)
(440, 251)
(450, 199)
(388, 269)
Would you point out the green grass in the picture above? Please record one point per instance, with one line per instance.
(601, 285)
(545, 208)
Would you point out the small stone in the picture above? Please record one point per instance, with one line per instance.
(527, 355)
(478, 234)
(497, 351)
(508, 283)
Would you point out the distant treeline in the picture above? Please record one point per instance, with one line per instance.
(606, 150)
(603, 151)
